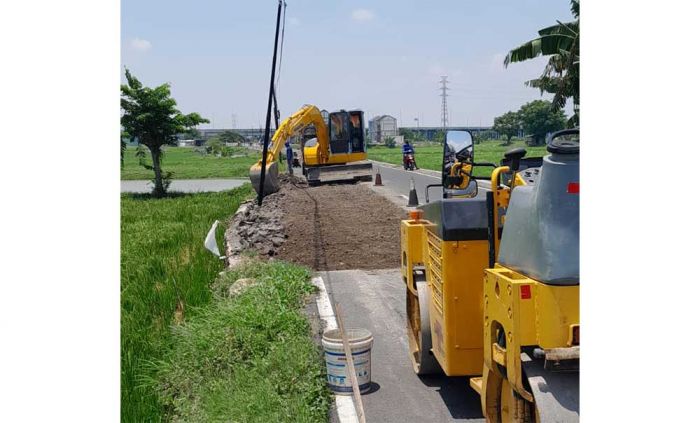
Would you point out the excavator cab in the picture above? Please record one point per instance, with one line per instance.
(346, 155)
(346, 132)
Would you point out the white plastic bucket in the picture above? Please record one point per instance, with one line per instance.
(360, 341)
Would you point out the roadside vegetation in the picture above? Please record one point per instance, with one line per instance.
(560, 77)
(165, 276)
(192, 163)
(430, 156)
(248, 358)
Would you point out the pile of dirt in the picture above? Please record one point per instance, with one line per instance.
(330, 227)
(336, 227)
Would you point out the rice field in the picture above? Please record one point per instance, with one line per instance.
(165, 277)
(188, 163)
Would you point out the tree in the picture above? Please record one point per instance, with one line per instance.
(123, 137)
(561, 74)
(149, 115)
(538, 118)
(214, 145)
(508, 124)
(231, 136)
(192, 134)
(439, 136)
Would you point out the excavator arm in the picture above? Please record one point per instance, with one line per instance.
(305, 116)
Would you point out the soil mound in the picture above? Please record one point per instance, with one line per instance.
(329, 227)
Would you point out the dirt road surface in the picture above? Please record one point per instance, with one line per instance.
(336, 227)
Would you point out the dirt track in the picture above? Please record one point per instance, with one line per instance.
(330, 227)
(336, 227)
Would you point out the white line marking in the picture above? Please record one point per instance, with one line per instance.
(343, 403)
(406, 171)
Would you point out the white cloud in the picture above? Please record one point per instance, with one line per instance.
(294, 21)
(139, 44)
(362, 15)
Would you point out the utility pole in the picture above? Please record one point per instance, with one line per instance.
(233, 121)
(443, 88)
(270, 96)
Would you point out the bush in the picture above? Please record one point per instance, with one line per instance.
(390, 142)
(214, 145)
(250, 358)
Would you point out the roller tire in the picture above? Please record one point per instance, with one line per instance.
(420, 338)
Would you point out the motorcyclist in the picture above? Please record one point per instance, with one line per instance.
(408, 149)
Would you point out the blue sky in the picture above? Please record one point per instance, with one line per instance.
(384, 57)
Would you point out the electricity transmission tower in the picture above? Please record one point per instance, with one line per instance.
(443, 88)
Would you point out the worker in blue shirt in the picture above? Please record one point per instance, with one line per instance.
(290, 157)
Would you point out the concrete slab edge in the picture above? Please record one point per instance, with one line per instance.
(343, 404)
(234, 259)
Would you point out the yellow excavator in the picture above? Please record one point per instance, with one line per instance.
(338, 151)
(492, 279)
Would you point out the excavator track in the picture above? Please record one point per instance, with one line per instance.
(556, 393)
(356, 171)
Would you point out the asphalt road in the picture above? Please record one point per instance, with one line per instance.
(185, 185)
(398, 181)
(375, 300)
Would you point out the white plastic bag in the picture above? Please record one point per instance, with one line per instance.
(210, 240)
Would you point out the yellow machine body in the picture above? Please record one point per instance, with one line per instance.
(529, 313)
(328, 156)
(313, 157)
(482, 318)
(454, 272)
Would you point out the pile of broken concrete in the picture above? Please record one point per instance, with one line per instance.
(257, 228)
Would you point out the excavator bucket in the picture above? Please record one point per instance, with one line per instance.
(271, 177)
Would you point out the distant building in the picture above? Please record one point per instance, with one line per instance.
(186, 143)
(381, 127)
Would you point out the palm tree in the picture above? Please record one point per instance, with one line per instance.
(561, 74)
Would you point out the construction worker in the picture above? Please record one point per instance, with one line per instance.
(290, 157)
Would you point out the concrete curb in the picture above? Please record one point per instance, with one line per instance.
(345, 407)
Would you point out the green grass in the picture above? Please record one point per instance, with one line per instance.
(187, 163)
(248, 359)
(163, 261)
(430, 157)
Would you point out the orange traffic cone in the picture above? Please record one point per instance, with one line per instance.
(378, 179)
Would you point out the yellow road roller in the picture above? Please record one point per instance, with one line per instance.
(492, 279)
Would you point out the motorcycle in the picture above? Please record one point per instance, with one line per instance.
(409, 163)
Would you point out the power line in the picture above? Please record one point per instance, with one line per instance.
(279, 66)
(443, 88)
